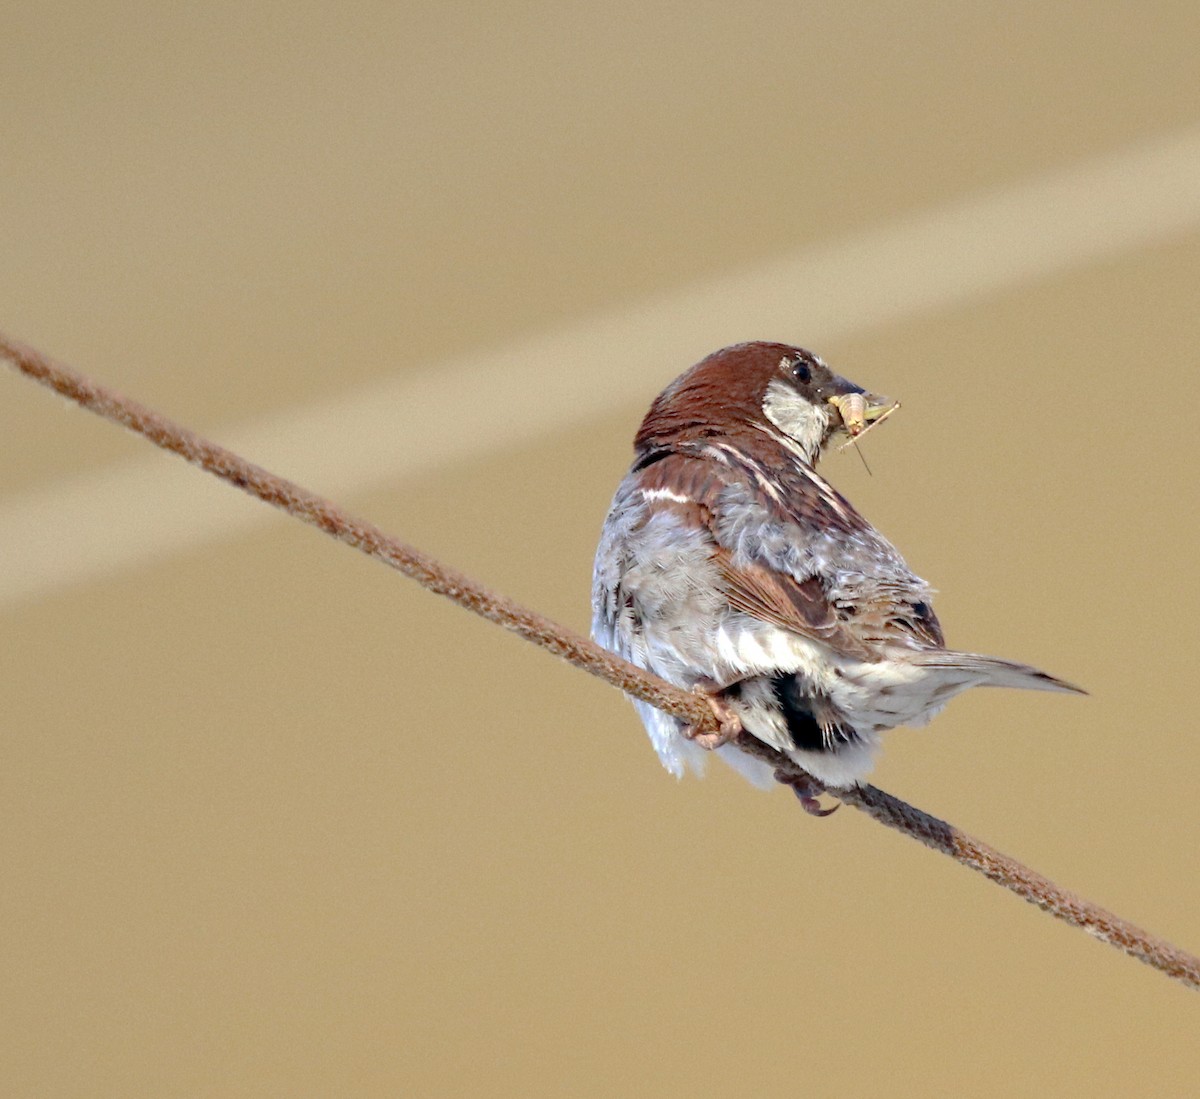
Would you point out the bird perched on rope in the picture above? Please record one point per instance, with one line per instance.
(728, 565)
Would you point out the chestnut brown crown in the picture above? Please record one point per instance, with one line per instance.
(726, 392)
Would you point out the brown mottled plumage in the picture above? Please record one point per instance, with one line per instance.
(727, 563)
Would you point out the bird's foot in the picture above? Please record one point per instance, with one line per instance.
(807, 789)
(730, 725)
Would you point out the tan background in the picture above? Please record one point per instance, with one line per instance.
(273, 821)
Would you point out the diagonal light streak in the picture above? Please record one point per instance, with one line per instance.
(92, 525)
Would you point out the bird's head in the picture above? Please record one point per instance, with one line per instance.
(773, 387)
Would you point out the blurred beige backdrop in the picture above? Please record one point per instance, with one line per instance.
(274, 821)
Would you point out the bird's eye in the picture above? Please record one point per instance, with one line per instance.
(802, 373)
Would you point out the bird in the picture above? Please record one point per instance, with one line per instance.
(727, 565)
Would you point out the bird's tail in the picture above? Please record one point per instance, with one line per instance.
(992, 671)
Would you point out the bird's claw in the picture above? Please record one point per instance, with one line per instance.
(814, 808)
(806, 788)
(807, 791)
(729, 724)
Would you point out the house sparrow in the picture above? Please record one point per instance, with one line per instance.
(728, 565)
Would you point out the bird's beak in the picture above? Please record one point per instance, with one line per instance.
(859, 409)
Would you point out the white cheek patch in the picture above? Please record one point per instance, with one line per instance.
(796, 417)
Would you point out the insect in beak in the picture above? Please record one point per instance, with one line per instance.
(860, 412)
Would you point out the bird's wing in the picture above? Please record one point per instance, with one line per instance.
(698, 489)
(794, 552)
(800, 606)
